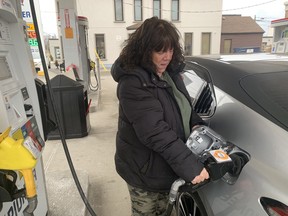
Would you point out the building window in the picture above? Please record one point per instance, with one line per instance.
(175, 10)
(188, 44)
(206, 43)
(138, 10)
(157, 8)
(118, 10)
(100, 45)
(57, 52)
(284, 33)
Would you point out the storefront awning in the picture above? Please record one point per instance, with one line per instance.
(279, 22)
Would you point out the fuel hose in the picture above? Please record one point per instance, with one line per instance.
(60, 127)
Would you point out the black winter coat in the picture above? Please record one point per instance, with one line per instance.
(150, 143)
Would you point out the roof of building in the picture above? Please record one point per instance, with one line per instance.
(232, 24)
(134, 26)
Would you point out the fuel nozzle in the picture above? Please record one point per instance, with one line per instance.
(222, 158)
(240, 158)
(229, 169)
(15, 156)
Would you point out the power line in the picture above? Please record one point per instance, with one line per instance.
(183, 11)
(250, 6)
(210, 11)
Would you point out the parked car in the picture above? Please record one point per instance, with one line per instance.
(247, 103)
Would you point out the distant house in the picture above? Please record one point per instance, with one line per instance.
(240, 34)
(267, 42)
(55, 50)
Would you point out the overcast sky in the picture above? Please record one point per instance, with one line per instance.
(268, 9)
(264, 10)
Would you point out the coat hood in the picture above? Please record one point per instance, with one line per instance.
(117, 71)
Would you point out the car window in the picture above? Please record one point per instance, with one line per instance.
(270, 91)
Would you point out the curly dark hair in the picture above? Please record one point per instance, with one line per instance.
(153, 35)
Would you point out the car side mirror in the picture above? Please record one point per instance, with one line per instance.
(200, 88)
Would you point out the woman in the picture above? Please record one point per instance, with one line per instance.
(155, 117)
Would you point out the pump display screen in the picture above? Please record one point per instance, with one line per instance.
(5, 72)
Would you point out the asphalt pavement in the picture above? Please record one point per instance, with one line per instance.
(93, 159)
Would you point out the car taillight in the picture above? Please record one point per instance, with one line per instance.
(274, 207)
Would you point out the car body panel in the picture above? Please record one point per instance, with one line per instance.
(268, 164)
(243, 121)
(227, 76)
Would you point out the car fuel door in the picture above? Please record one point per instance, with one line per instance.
(199, 84)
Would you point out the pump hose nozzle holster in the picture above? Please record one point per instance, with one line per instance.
(8, 188)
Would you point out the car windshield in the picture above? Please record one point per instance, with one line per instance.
(270, 91)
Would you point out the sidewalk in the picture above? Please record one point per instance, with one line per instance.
(93, 159)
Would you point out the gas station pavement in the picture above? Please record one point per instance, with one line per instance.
(93, 159)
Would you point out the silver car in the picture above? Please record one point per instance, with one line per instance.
(247, 103)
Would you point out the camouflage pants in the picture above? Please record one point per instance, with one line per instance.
(146, 203)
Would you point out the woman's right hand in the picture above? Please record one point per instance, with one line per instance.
(201, 177)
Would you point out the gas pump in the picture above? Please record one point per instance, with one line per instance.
(74, 33)
(22, 185)
(83, 44)
(74, 40)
